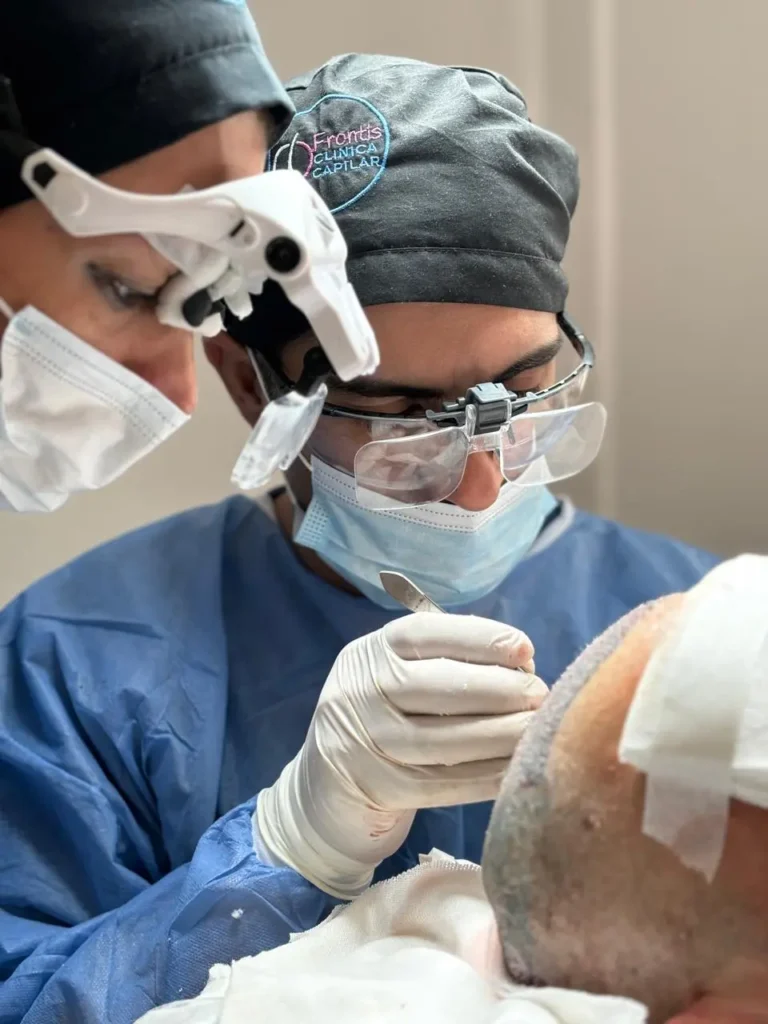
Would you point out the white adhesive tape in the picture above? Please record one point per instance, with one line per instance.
(698, 723)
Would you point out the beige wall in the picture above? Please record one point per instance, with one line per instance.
(693, 169)
(666, 103)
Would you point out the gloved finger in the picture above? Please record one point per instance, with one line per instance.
(437, 740)
(467, 638)
(448, 785)
(441, 687)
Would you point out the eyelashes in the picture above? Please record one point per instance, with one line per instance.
(119, 293)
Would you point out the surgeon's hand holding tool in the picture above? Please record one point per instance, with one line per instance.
(425, 712)
(410, 596)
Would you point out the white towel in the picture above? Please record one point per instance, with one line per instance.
(421, 948)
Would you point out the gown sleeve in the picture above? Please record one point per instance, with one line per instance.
(120, 883)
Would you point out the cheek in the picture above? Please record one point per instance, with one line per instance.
(166, 360)
(127, 337)
(162, 356)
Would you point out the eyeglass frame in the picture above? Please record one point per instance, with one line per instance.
(454, 412)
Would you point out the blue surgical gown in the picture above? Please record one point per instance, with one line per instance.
(151, 688)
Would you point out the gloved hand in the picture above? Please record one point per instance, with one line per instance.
(426, 712)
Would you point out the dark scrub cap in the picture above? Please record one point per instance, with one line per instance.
(104, 82)
(443, 188)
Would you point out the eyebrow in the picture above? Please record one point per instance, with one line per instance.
(393, 389)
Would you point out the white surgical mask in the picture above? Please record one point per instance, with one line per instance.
(453, 555)
(71, 418)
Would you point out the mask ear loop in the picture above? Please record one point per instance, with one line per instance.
(259, 375)
(6, 310)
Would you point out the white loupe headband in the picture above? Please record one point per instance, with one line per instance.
(698, 723)
(226, 241)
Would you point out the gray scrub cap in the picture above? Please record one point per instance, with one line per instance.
(443, 188)
(104, 82)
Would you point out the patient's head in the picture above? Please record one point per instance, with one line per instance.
(582, 898)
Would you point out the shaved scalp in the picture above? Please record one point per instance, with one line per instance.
(523, 805)
(583, 899)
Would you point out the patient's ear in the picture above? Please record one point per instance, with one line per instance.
(232, 364)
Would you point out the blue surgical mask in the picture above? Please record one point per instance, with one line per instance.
(455, 556)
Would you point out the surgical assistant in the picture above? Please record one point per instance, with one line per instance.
(107, 273)
(153, 688)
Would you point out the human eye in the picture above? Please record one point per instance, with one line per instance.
(120, 293)
(532, 381)
(383, 406)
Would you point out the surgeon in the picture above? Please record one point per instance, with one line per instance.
(107, 112)
(216, 727)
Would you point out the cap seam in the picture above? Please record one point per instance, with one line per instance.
(233, 44)
(395, 63)
(245, 43)
(453, 248)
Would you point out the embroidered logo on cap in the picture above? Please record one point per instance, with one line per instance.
(340, 144)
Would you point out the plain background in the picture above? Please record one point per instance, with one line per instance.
(666, 103)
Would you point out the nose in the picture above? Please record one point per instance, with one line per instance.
(170, 367)
(480, 484)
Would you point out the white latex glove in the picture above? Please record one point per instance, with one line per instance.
(426, 712)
